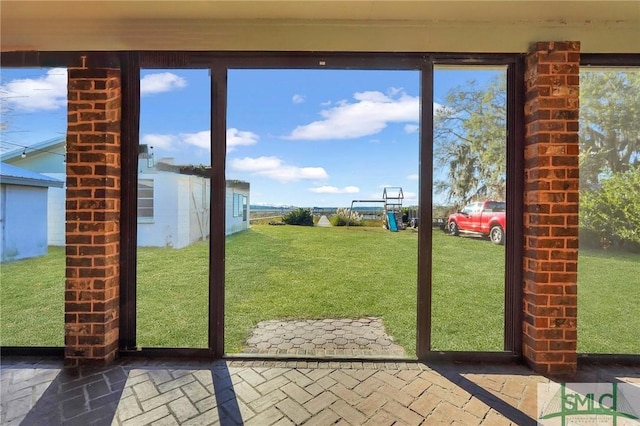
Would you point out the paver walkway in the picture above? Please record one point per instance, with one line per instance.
(317, 338)
(146, 392)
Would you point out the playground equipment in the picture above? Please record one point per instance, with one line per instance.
(393, 197)
(392, 208)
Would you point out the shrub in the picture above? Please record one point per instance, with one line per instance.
(299, 216)
(344, 217)
(610, 214)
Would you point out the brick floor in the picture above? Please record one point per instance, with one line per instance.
(148, 392)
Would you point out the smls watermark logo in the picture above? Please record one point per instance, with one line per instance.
(565, 404)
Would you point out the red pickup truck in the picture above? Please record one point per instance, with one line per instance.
(486, 217)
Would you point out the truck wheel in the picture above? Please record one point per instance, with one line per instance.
(453, 229)
(496, 234)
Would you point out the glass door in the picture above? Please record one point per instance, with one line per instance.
(469, 208)
(326, 163)
(173, 208)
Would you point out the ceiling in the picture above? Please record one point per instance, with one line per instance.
(422, 25)
(357, 10)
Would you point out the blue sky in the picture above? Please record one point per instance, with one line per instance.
(300, 137)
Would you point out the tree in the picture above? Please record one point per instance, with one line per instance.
(470, 142)
(611, 213)
(609, 124)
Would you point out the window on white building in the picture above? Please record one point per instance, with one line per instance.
(145, 199)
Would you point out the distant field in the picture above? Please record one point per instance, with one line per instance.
(277, 272)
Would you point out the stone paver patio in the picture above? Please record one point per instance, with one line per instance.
(269, 392)
(342, 337)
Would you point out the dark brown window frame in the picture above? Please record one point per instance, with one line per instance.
(130, 63)
(609, 61)
(514, 244)
(218, 63)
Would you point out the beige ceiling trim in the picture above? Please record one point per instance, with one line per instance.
(304, 25)
(366, 10)
(246, 35)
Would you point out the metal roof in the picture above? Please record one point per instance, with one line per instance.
(13, 175)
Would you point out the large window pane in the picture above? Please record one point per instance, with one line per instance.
(469, 169)
(33, 120)
(173, 209)
(609, 256)
(311, 142)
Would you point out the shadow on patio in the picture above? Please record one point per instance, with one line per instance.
(265, 392)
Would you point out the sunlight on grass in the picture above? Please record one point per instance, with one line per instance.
(294, 272)
(173, 296)
(468, 294)
(608, 295)
(298, 272)
(32, 300)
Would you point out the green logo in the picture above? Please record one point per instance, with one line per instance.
(596, 403)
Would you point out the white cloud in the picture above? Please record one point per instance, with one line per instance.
(255, 165)
(169, 142)
(274, 168)
(161, 82)
(237, 137)
(47, 92)
(411, 128)
(335, 190)
(413, 176)
(371, 112)
(410, 197)
(166, 142)
(394, 90)
(200, 139)
(298, 99)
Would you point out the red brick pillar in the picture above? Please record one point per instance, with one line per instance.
(93, 213)
(551, 207)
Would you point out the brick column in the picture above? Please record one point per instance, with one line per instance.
(93, 214)
(551, 207)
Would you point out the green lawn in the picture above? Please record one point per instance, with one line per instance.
(280, 272)
(173, 296)
(32, 301)
(291, 272)
(468, 294)
(608, 302)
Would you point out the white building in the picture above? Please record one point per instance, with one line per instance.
(46, 158)
(173, 201)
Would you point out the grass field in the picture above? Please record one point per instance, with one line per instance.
(608, 302)
(310, 272)
(32, 301)
(280, 272)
